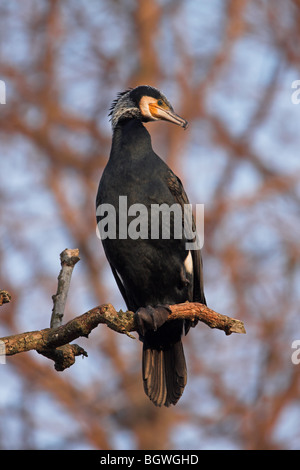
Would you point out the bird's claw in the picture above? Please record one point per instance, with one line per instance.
(151, 318)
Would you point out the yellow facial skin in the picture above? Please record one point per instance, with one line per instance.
(156, 109)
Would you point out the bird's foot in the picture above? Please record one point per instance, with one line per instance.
(151, 318)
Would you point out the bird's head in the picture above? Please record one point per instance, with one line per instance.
(145, 103)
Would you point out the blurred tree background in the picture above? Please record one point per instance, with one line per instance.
(227, 66)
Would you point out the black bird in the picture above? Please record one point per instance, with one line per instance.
(151, 272)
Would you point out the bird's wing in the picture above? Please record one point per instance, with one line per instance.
(129, 302)
(179, 194)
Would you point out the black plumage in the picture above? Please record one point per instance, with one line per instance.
(151, 273)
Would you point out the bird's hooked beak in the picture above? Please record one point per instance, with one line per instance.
(167, 114)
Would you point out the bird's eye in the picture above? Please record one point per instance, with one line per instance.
(160, 102)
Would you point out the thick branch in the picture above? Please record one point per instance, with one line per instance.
(46, 341)
(208, 316)
(53, 342)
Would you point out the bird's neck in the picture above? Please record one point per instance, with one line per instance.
(131, 140)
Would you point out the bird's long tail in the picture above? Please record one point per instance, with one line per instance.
(164, 373)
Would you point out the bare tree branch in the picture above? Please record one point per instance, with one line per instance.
(194, 310)
(68, 259)
(49, 341)
(53, 342)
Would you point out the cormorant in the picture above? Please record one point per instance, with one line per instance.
(152, 272)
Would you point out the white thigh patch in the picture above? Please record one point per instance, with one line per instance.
(188, 263)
